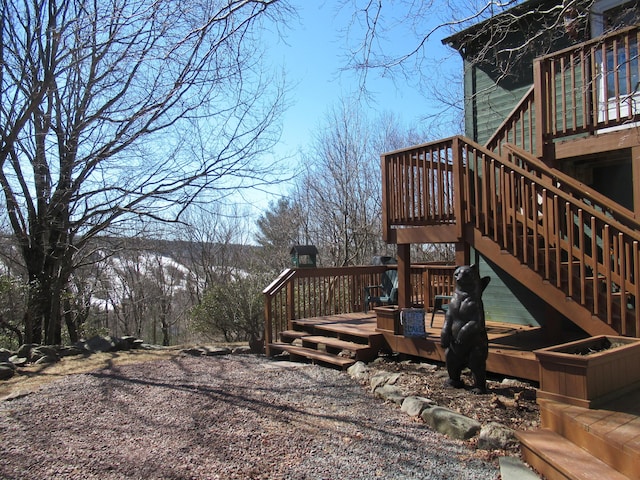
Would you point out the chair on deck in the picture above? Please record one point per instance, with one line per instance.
(387, 291)
(439, 305)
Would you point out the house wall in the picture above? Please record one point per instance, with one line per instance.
(610, 173)
(488, 103)
(491, 92)
(505, 299)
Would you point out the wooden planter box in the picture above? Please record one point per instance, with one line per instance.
(589, 372)
(388, 320)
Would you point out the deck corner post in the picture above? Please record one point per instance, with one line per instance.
(268, 322)
(404, 275)
(540, 104)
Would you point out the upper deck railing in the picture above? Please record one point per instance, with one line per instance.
(589, 87)
(418, 186)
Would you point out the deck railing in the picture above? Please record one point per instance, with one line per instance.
(315, 292)
(588, 87)
(569, 239)
(518, 128)
(418, 185)
(579, 90)
(568, 234)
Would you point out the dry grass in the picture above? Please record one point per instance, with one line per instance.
(31, 378)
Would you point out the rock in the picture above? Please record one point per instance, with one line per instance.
(128, 342)
(100, 344)
(414, 406)
(495, 436)
(510, 382)
(214, 351)
(46, 360)
(428, 367)
(70, 351)
(208, 351)
(358, 371)
(244, 350)
(44, 352)
(450, 423)
(18, 361)
(7, 370)
(25, 350)
(5, 354)
(195, 351)
(383, 378)
(390, 393)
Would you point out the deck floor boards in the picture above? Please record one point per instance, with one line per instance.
(510, 346)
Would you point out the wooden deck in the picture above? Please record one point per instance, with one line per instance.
(582, 443)
(510, 346)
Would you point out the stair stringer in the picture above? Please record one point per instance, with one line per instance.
(549, 293)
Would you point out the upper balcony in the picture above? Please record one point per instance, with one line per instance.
(589, 88)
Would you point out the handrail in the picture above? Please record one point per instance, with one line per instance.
(314, 292)
(588, 87)
(518, 128)
(570, 235)
(575, 245)
(575, 188)
(567, 97)
(423, 177)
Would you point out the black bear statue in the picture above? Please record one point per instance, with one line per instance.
(464, 333)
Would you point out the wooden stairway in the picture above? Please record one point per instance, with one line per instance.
(578, 443)
(339, 343)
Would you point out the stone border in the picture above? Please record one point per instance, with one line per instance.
(492, 436)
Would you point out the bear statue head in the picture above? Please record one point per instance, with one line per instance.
(468, 279)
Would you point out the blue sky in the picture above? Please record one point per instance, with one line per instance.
(313, 58)
(312, 55)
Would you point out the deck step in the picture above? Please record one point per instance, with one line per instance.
(556, 458)
(289, 336)
(333, 342)
(313, 355)
(607, 434)
(362, 352)
(346, 332)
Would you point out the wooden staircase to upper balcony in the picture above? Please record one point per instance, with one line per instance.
(566, 243)
(571, 246)
(575, 249)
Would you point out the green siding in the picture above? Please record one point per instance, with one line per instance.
(506, 300)
(489, 103)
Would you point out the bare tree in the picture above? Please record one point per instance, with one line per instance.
(340, 191)
(216, 245)
(376, 26)
(124, 109)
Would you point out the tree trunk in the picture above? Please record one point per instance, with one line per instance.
(44, 312)
(71, 322)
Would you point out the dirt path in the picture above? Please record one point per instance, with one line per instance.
(168, 416)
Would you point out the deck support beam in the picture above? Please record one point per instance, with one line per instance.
(404, 275)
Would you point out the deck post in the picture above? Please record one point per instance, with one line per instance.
(290, 305)
(268, 325)
(404, 275)
(540, 80)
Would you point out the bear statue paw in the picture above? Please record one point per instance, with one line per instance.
(454, 383)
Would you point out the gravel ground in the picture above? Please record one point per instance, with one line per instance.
(228, 417)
